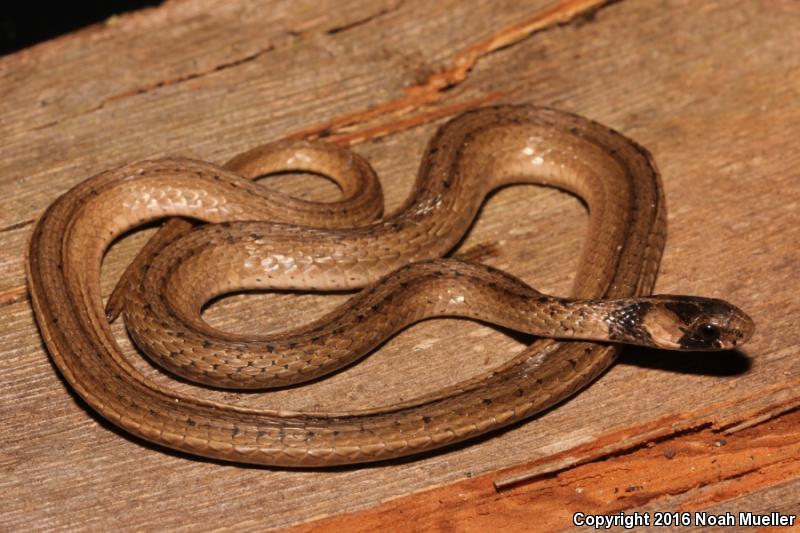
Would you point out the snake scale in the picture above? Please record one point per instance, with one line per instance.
(260, 239)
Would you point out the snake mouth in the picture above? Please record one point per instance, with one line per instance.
(692, 341)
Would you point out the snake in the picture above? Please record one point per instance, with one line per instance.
(253, 237)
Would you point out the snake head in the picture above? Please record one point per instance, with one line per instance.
(674, 322)
(695, 323)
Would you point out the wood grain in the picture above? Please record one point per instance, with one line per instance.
(711, 89)
(696, 471)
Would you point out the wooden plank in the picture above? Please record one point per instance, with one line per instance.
(691, 473)
(713, 95)
(45, 152)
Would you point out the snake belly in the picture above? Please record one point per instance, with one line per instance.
(468, 157)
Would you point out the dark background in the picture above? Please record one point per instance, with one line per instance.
(27, 23)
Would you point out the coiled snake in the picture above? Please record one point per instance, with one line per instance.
(262, 239)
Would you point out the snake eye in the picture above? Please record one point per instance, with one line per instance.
(708, 332)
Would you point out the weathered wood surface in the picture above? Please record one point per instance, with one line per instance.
(698, 472)
(711, 89)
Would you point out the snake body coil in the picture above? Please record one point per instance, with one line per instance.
(468, 158)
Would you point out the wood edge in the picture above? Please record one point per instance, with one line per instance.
(725, 467)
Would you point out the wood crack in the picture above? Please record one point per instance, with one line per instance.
(292, 37)
(158, 85)
(18, 225)
(631, 439)
(439, 84)
(366, 20)
(591, 453)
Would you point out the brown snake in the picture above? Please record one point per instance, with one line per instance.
(468, 157)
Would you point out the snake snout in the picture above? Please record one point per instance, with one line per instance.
(742, 326)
